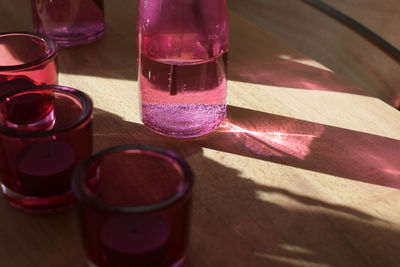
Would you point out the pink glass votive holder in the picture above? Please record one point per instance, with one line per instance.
(134, 205)
(26, 59)
(44, 132)
(69, 22)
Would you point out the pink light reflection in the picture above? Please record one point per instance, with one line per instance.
(312, 146)
(279, 143)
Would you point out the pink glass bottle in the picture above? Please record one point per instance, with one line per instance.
(183, 46)
(69, 22)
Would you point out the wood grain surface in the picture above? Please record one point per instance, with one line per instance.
(331, 43)
(379, 16)
(304, 172)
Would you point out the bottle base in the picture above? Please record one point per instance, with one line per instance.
(183, 121)
(191, 133)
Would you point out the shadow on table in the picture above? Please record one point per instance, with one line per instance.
(113, 57)
(237, 222)
(109, 57)
(255, 57)
(114, 54)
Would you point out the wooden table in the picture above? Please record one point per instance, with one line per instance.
(305, 172)
(331, 43)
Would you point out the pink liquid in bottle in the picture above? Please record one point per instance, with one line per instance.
(183, 49)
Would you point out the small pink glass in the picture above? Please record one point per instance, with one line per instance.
(26, 59)
(69, 22)
(183, 50)
(44, 132)
(134, 205)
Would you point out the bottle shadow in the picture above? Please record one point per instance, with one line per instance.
(239, 222)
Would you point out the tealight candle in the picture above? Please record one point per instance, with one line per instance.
(44, 169)
(131, 241)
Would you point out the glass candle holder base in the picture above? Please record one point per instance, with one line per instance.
(38, 205)
(81, 39)
(69, 22)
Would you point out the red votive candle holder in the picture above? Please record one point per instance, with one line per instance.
(26, 59)
(69, 22)
(134, 205)
(44, 132)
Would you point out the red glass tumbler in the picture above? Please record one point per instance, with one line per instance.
(69, 22)
(44, 132)
(26, 59)
(134, 205)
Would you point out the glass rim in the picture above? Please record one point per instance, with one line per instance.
(51, 44)
(80, 190)
(86, 113)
